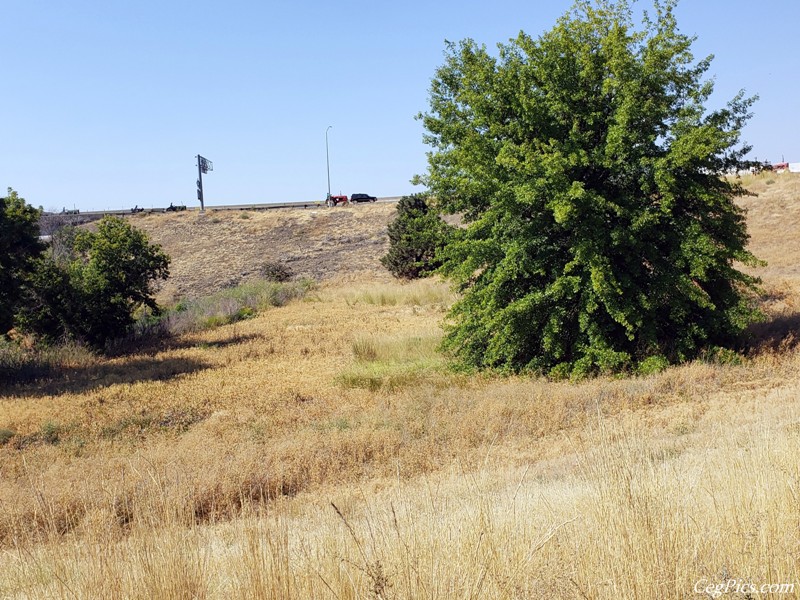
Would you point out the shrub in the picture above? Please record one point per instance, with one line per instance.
(230, 305)
(415, 236)
(276, 271)
(92, 291)
(19, 248)
(6, 435)
(652, 364)
(51, 432)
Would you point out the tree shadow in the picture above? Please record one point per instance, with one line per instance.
(777, 333)
(60, 380)
(128, 363)
(183, 343)
(155, 342)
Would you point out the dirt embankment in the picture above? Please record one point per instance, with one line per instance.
(219, 249)
(773, 222)
(222, 248)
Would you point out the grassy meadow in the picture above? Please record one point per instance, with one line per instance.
(323, 449)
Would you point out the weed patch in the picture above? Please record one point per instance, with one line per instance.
(6, 435)
(393, 362)
(430, 293)
(231, 305)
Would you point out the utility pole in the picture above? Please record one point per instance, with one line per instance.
(203, 166)
(328, 163)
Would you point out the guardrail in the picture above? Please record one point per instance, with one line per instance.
(92, 214)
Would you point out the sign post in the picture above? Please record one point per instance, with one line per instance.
(203, 166)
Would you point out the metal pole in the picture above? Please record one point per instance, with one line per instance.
(200, 183)
(328, 162)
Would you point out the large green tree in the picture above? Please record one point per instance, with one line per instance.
(19, 247)
(92, 287)
(600, 228)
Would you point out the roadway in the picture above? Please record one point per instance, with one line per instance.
(264, 206)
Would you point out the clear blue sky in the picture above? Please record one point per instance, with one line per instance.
(105, 104)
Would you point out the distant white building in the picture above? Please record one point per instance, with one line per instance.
(794, 167)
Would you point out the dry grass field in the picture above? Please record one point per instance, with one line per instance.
(323, 449)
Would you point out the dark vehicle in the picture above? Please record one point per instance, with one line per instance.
(172, 208)
(362, 198)
(136, 209)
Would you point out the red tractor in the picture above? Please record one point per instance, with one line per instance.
(336, 200)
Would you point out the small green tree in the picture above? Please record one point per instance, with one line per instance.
(600, 229)
(416, 235)
(92, 290)
(19, 248)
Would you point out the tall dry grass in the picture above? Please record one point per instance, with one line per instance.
(616, 516)
(322, 449)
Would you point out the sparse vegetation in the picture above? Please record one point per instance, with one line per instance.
(231, 305)
(215, 251)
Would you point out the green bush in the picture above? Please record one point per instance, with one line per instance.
(652, 364)
(19, 249)
(92, 290)
(416, 236)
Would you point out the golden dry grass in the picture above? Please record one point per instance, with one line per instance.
(324, 450)
(773, 220)
(217, 249)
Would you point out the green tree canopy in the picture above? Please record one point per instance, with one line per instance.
(91, 289)
(601, 230)
(19, 247)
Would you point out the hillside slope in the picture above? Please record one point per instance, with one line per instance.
(773, 221)
(223, 248)
(218, 249)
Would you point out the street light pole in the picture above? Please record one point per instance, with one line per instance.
(328, 163)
